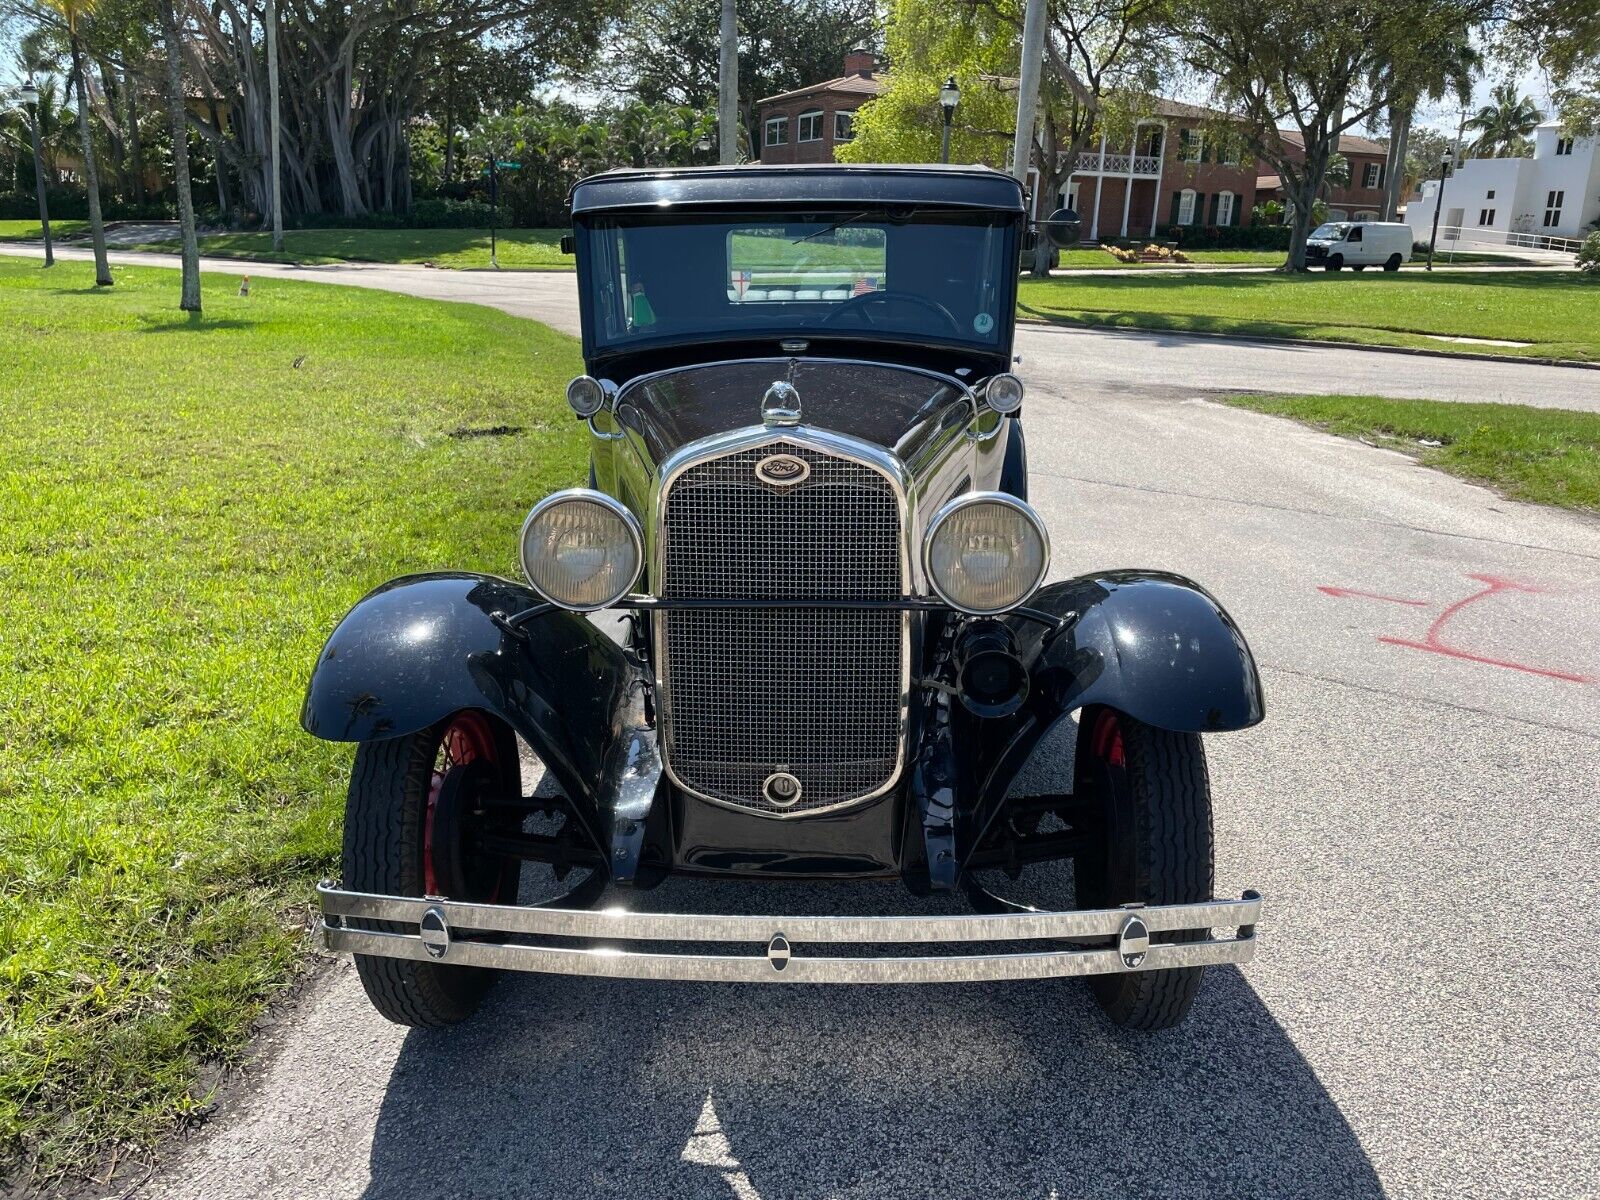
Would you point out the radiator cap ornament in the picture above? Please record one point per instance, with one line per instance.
(781, 404)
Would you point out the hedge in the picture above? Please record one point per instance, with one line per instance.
(69, 205)
(1226, 237)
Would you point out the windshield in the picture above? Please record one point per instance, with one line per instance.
(939, 276)
(1331, 232)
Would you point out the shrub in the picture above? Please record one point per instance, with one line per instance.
(1589, 255)
(445, 213)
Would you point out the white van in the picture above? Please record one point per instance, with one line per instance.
(1359, 244)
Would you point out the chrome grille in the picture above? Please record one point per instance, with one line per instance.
(815, 692)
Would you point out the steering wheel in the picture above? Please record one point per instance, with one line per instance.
(863, 304)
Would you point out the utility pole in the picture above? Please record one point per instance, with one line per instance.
(277, 133)
(728, 87)
(1028, 89)
(30, 101)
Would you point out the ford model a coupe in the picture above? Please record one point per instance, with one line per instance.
(829, 647)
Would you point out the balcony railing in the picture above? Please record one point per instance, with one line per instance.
(1118, 164)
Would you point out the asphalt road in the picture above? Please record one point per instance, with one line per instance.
(1418, 809)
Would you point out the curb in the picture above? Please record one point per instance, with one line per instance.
(1263, 340)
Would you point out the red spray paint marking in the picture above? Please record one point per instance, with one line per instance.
(1433, 641)
(1353, 592)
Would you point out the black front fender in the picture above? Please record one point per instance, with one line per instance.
(420, 648)
(1155, 646)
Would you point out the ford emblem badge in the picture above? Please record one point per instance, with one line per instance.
(782, 470)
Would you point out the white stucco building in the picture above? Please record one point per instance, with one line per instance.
(1556, 193)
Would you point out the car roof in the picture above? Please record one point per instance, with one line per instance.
(796, 185)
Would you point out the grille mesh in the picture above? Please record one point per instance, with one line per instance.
(815, 692)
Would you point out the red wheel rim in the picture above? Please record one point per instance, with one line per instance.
(1106, 739)
(467, 738)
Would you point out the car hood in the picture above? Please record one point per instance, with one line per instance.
(901, 409)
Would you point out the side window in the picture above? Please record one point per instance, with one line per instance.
(1186, 207)
(777, 131)
(1354, 235)
(787, 263)
(809, 127)
(843, 126)
(1552, 209)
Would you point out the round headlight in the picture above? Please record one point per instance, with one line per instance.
(1003, 393)
(986, 552)
(581, 549)
(586, 395)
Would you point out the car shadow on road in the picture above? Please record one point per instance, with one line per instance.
(582, 1087)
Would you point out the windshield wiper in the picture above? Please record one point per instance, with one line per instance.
(899, 218)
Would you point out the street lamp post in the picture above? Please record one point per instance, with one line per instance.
(949, 97)
(30, 101)
(1438, 203)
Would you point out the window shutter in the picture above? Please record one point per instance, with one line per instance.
(1199, 215)
(1216, 198)
(1177, 199)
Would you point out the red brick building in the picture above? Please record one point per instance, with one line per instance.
(805, 125)
(1362, 199)
(1182, 165)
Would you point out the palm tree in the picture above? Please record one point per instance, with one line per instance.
(178, 116)
(1449, 71)
(73, 11)
(1505, 125)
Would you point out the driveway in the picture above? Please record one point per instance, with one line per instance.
(1418, 809)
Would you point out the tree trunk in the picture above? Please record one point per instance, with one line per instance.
(1399, 143)
(91, 176)
(1303, 193)
(221, 163)
(190, 301)
(450, 130)
(277, 132)
(135, 142)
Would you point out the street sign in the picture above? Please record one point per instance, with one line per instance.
(508, 166)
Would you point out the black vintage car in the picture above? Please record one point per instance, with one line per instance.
(830, 646)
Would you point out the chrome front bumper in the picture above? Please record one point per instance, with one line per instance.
(476, 935)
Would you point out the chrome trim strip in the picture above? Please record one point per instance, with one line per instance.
(823, 441)
(454, 934)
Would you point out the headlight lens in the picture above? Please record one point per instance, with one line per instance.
(986, 552)
(586, 395)
(1004, 393)
(581, 549)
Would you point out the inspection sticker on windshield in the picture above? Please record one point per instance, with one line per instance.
(983, 322)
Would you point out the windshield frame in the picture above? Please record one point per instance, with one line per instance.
(593, 257)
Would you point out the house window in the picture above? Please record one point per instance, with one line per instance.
(1372, 175)
(1563, 145)
(1186, 207)
(1149, 141)
(809, 127)
(1489, 195)
(1225, 202)
(1552, 209)
(777, 131)
(843, 126)
(1486, 216)
(1191, 145)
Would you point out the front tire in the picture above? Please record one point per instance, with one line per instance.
(1150, 798)
(1334, 263)
(395, 835)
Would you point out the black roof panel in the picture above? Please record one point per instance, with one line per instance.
(820, 183)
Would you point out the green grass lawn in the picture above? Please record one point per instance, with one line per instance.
(536, 249)
(190, 505)
(1557, 313)
(21, 231)
(1539, 454)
